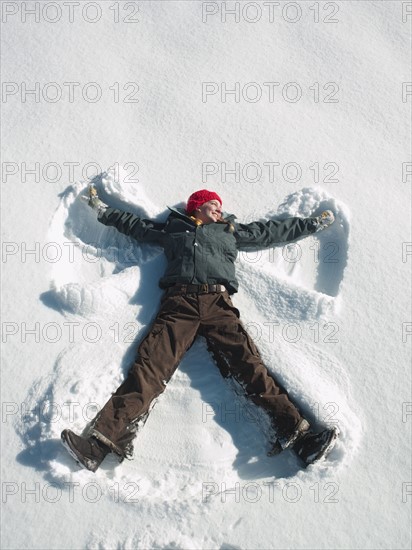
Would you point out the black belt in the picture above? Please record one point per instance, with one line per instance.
(194, 289)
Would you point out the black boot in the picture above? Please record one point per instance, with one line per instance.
(311, 447)
(286, 442)
(88, 452)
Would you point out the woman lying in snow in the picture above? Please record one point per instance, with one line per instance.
(201, 247)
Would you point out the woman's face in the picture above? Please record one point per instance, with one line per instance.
(209, 212)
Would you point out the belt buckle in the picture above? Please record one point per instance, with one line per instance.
(204, 288)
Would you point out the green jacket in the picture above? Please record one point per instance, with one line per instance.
(199, 254)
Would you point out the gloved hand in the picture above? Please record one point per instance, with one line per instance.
(93, 200)
(324, 220)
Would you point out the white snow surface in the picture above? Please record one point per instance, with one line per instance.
(330, 314)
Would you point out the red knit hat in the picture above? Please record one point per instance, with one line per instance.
(198, 198)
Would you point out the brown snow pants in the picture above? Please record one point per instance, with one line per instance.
(180, 319)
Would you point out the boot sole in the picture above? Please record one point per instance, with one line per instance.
(327, 449)
(66, 444)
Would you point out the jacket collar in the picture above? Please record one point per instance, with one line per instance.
(181, 213)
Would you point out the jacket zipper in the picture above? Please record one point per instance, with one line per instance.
(195, 246)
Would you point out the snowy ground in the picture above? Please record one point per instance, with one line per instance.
(283, 108)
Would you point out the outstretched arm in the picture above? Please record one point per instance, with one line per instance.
(125, 222)
(263, 234)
